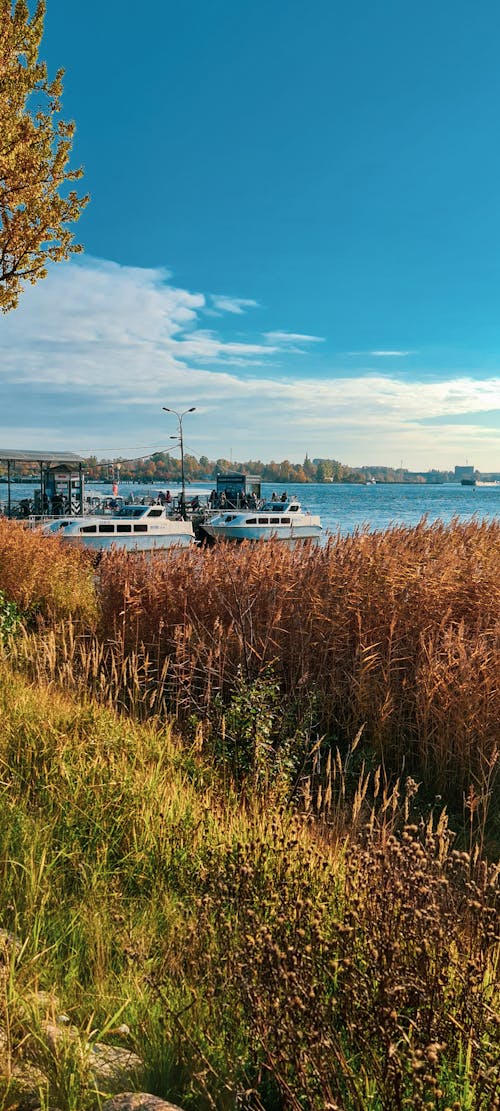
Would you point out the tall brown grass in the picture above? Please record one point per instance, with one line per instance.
(44, 578)
(397, 633)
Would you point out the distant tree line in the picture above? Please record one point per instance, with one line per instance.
(162, 468)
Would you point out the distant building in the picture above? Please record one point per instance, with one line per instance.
(464, 472)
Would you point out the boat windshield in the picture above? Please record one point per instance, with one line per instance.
(275, 506)
(132, 510)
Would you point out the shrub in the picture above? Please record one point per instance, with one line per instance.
(363, 986)
(10, 618)
(258, 958)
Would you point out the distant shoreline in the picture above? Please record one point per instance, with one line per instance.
(163, 482)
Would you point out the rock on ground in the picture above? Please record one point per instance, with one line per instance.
(110, 1066)
(138, 1101)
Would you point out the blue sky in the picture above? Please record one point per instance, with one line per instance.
(294, 226)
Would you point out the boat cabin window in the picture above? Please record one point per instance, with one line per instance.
(293, 508)
(140, 528)
(124, 528)
(132, 510)
(285, 520)
(230, 517)
(155, 513)
(251, 521)
(89, 528)
(263, 520)
(106, 528)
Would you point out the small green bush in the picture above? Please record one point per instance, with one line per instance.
(10, 617)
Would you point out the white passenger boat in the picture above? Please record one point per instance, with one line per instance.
(134, 527)
(274, 520)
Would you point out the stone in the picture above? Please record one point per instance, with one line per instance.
(37, 1003)
(8, 942)
(138, 1101)
(112, 1067)
(55, 1034)
(25, 1083)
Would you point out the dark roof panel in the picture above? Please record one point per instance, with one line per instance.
(14, 456)
(238, 474)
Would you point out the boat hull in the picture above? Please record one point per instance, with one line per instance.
(144, 531)
(131, 543)
(239, 533)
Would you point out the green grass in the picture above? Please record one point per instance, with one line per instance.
(259, 957)
(206, 833)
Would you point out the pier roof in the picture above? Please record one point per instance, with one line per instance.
(239, 474)
(12, 455)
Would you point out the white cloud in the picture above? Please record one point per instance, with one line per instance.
(292, 337)
(390, 354)
(203, 345)
(92, 354)
(236, 305)
(386, 354)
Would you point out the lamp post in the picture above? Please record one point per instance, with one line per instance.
(181, 442)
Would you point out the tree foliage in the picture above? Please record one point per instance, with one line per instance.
(35, 147)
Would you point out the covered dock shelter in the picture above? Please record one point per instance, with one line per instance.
(60, 474)
(234, 487)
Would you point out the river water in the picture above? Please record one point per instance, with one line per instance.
(346, 507)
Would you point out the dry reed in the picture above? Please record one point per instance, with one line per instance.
(45, 579)
(396, 632)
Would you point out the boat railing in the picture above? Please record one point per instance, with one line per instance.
(36, 520)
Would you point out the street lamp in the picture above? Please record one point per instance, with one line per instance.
(181, 442)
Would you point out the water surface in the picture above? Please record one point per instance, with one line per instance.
(347, 507)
